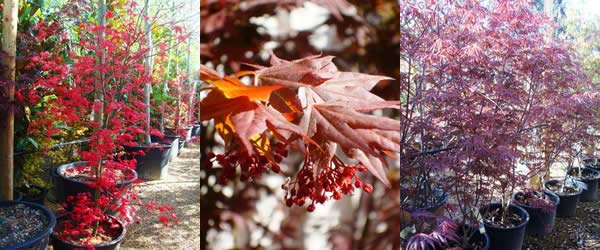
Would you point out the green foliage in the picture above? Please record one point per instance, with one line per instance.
(585, 34)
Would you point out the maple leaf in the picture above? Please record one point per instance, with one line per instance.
(350, 86)
(357, 133)
(308, 71)
(216, 105)
(252, 122)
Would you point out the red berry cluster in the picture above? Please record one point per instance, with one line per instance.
(251, 166)
(323, 183)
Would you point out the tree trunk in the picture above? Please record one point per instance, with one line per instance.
(99, 93)
(167, 76)
(7, 118)
(147, 88)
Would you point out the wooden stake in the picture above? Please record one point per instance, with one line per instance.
(7, 118)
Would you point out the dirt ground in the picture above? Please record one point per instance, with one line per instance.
(181, 189)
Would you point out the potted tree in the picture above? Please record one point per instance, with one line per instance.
(590, 178)
(427, 231)
(105, 87)
(569, 191)
(541, 206)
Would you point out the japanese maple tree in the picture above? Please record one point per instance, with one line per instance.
(103, 89)
(484, 86)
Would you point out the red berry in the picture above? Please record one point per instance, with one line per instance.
(310, 208)
(210, 155)
(289, 202)
(275, 168)
(367, 188)
(358, 183)
(337, 195)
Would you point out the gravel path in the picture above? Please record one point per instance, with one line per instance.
(181, 189)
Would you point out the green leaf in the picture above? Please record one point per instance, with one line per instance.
(33, 142)
(407, 230)
(25, 15)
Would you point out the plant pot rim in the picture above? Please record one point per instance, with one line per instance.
(73, 164)
(579, 189)
(170, 136)
(444, 199)
(44, 233)
(151, 146)
(522, 213)
(112, 242)
(588, 169)
(556, 199)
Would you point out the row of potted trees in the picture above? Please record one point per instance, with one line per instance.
(504, 225)
(98, 78)
(492, 105)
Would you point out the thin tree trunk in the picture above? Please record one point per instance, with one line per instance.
(178, 89)
(99, 93)
(147, 88)
(166, 79)
(7, 118)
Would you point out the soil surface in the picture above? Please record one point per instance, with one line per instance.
(20, 223)
(579, 232)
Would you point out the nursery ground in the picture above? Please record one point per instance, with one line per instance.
(579, 232)
(181, 189)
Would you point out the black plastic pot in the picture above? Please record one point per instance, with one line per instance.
(593, 163)
(39, 198)
(188, 135)
(541, 221)
(70, 187)
(196, 130)
(153, 165)
(41, 240)
(506, 238)
(115, 244)
(434, 208)
(173, 140)
(589, 192)
(568, 202)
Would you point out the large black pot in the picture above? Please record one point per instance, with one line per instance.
(153, 165)
(172, 140)
(188, 135)
(434, 208)
(506, 238)
(568, 202)
(70, 187)
(39, 198)
(593, 163)
(39, 241)
(541, 221)
(589, 192)
(196, 130)
(115, 244)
